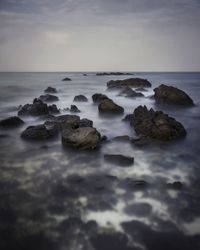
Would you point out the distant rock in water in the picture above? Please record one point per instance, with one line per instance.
(80, 98)
(120, 160)
(170, 95)
(156, 124)
(74, 109)
(50, 90)
(82, 138)
(48, 98)
(131, 82)
(114, 74)
(108, 106)
(98, 97)
(128, 92)
(84, 74)
(38, 108)
(66, 79)
(9, 122)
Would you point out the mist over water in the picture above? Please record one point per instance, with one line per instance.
(56, 198)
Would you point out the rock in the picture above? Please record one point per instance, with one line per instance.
(53, 109)
(83, 138)
(65, 121)
(120, 160)
(142, 141)
(121, 138)
(86, 123)
(113, 74)
(74, 109)
(80, 98)
(13, 121)
(131, 82)
(40, 132)
(38, 108)
(48, 98)
(171, 95)
(128, 118)
(128, 92)
(98, 97)
(66, 79)
(50, 90)
(175, 185)
(108, 106)
(141, 89)
(84, 74)
(156, 124)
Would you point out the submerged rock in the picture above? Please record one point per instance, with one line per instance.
(156, 124)
(13, 121)
(50, 90)
(120, 160)
(128, 92)
(131, 82)
(80, 98)
(86, 123)
(66, 79)
(83, 138)
(38, 108)
(108, 106)
(48, 98)
(171, 95)
(98, 97)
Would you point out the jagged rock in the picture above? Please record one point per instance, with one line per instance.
(50, 90)
(13, 121)
(38, 108)
(86, 123)
(48, 98)
(83, 138)
(128, 92)
(98, 97)
(171, 95)
(53, 109)
(131, 82)
(120, 160)
(156, 124)
(66, 79)
(80, 98)
(108, 106)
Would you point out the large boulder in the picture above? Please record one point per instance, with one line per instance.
(98, 97)
(65, 121)
(171, 95)
(83, 138)
(156, 124)
(38, 108)
(40, 132)
(48, 98)
(108, 106)
(80, 98)
(13, 121)
(128, 92)
(131, 82)
(50, 90)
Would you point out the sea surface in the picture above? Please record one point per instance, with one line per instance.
(56, 198)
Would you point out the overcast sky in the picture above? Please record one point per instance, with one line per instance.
(99, 35)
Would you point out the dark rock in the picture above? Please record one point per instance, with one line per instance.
(156, 124)
(120, 160)
(65, 121)
(50, 90)
(40, 132)
(48, 98)
(121, 138)
(80, 98)
(83, 138)
(104, 138)
(114, 74)
(141, 141)
(53, 109)
(98, 97)
(108, 106)
(66, 79)
(171, 95)
(13, 121)
(74, 109)
(38, 108)
(128, 118)
(84, 74)
(175, 185)
(128, 92)
(141, 89)
(131, 82)
(86, 123)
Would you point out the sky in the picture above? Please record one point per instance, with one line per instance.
(99, 35)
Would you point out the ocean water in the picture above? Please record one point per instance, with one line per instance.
(56, 198)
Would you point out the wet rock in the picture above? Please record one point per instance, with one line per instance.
(175, 185)
(141, 141)
(13, 121)
(98, 97)
(50, 90)
(80, 98)
(113, 74)
(121, 138)
(40, 132)
(128, 118)
(120, 160)
(84, 74)
(86, 123)
(104, 138)
(66, 79)
(83, 138)
(65, 121)
(156, 125)
(108, 106)
(131, 82)
(74, 109)
(128, 92)
(139, 209)
(171, 95)
(48, 98)
(141, 89)
(38, 108)
(53, 109)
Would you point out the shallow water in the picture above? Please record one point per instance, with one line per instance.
(56, 198)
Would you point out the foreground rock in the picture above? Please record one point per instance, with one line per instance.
(50, 90)
(171, 95)
(114, 74)
(40, 132)
(120, 160)
(98, 97)
(156, 124)
(108, 106)
(131, 82)
(13, 121)
(82, 138)
(80, 98)
(48, 98)
(66, 79)
(38, 108)
(128, 92)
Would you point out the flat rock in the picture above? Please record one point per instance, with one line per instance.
(118, 159)
(128, 92)
(170, 95)
(13, 121)
(98, 97)
(50, 90)
(48, 98)
(131, 82)
(80, 98)
(108, 106)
